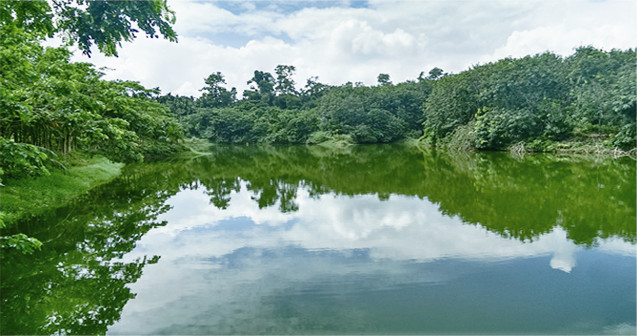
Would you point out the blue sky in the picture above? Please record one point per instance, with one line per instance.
(285, 6)
(341, 40)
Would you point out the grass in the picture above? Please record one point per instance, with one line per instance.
(339, 141)
(195, 147)
(32, 196)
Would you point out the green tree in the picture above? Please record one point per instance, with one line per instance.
(49, 104)
(603, 93)
(180, 106)
(453, 102)
(383, 79)
(507, 101)
(102, 23)
(216, 95)
(435, 73)
(261, 87)
(284, 81)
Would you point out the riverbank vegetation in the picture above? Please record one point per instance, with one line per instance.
(51, 107)
(583, 102)
(537, 101)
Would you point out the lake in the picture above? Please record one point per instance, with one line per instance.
(308, 240)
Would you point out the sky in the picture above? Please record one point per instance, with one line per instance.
(353, 41)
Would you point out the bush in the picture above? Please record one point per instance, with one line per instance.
(21, 159)
(318, 137)
(363, 134)
(463, 138)
(625, 138)
(496, 129)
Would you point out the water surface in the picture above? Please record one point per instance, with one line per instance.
(306, 240)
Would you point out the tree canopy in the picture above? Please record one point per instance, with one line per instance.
(274, 111)
(537, 99)
(104, 24)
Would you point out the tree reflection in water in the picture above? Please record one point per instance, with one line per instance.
(78, 283)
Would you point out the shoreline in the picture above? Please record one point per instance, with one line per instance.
(32, 196)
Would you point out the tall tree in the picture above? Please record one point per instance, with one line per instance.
(435, 73)
(262, 82)
(216, 95)
(383, 79)
(261, 87)
(284, 81)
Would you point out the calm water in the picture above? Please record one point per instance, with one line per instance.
(371, 240)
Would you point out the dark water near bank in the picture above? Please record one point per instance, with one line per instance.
(367, 240)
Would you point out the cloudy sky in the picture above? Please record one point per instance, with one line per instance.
(352, 40)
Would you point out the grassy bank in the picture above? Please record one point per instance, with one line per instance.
(31, 196)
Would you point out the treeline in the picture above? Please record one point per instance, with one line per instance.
(534, 102)
(273, 111)
(51, 106)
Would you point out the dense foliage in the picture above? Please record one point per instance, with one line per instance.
(273, 111)
(364, 114)
(537, 99)
(50, 106)
(535, 102)
(101, 23)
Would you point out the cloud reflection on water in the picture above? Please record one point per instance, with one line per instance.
(400, 228)
(223, 269)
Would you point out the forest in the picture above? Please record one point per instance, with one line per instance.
(537, 102)
(53, 110)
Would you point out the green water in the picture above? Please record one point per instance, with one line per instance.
(364, 240)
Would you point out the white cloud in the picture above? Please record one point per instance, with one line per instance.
(356, 39)
(342, 44)
(559, 39)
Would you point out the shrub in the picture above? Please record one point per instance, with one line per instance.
(625, 138)
(21, 159)
(498, 128)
